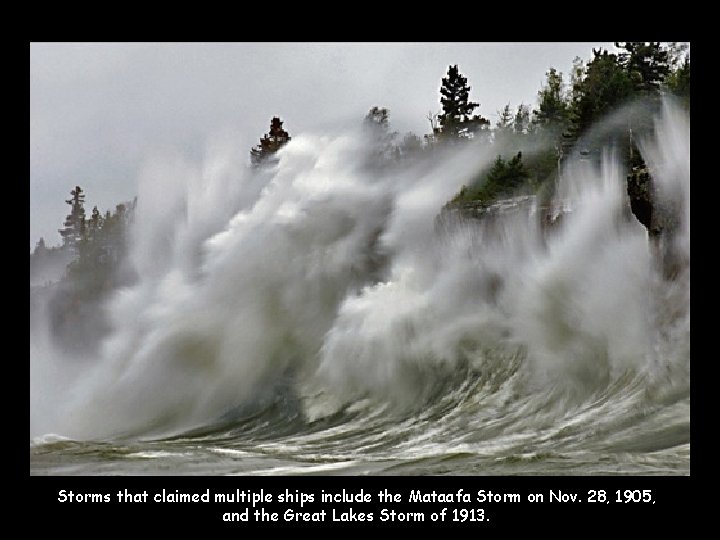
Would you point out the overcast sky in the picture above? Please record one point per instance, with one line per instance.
(99, 110)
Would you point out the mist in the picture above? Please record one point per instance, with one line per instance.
(340, 279)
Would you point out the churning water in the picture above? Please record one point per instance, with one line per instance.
(318, 317)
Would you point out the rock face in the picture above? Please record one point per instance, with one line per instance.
(477, 209)
(639, 187)
(661, 218)
(544, 216)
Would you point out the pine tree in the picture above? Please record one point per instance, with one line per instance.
(601, 86)
(505, 119)
(40, 247)
(552, 112)
(94, 224)
(377, 118)
(383, 146)
(411, 145)
(504, 179)
(522, 119)
(270, 143)
(506, 176)
(647, 64)
(503, 132)
(456, 121)
(74, 230)
(678, 81)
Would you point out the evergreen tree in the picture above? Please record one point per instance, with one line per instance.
(522, 119)
(94, 224)
(384, 149)
(74, 229)
(410, 146)
(550, 120)
(604, 85)
(552, 112)
(577, 74)
(573, 97)
(457, 121)
(506, 176)
(505, 119)
(99, 253)
(504, 179)
(270, 143)
(40, 247)
(377, 118)
(647, 64)
(678, 81)
(503, 132)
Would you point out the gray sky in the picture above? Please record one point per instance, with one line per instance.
(99, 110)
